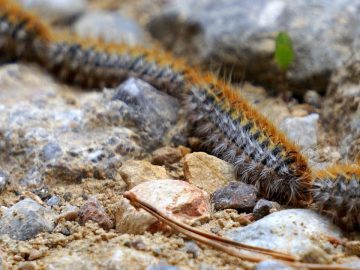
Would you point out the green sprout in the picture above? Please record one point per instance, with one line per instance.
(284, 52)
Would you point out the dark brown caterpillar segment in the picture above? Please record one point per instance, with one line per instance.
(336, 193)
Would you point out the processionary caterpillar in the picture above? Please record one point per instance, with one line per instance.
(228, 125)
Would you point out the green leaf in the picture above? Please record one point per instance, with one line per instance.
(284, 52)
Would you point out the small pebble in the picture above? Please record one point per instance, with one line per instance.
(313, 98)
(67, 196)
(168, 155)
(51, 151)
(135, 172)
(54, 200)
(236, 195)
(192, 248)
(207, 172)
(264, 207)
(70, 213)
(302, 130)
(92, 210)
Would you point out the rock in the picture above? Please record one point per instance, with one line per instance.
(168, 155)
(313, 98)
(272, 265)
(192, 248)
(207, 172)
(302, 130)
(51, 151)
(131, 220)
(56, 9)
(175, 198)
(4, 179)
(60, 135)
(295, 231)
(134, 172)
(154, 113)
(129, 259)
(264, 207)
(92, 210)
(54, 200)
(70, 213)
(236, 195)
(241, 34)
(32, 179)
(341, 109)
(25, 219)
(119, 29)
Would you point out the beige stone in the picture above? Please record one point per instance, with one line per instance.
(128, 219)
(169, 155)
(135, 172)
(207, 172)
(177, 199)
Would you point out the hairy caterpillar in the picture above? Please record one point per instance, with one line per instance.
(336, 192)
(228, 125)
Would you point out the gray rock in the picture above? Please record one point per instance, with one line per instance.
(236, 195)
(51, 151)
(151, 111)
(241, 34)
(264, 207)
(118, 28)
(192, 248)
(56, 9)
(272, 265)
(4, 179)
(313, 98)
(32, 178)
(301, 130)
(54, 200)
(25, 219)
(295, 231)
(46, 135)
(341, 108)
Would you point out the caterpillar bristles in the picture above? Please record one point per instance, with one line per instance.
(336, 193)
(227, 124)
(236, 132)
(22, 35)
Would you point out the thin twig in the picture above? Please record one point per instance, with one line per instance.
(213, 240)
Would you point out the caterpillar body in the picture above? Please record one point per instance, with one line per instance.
(336, 192)
(228, 125)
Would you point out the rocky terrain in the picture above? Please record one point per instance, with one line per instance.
(67, 155)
